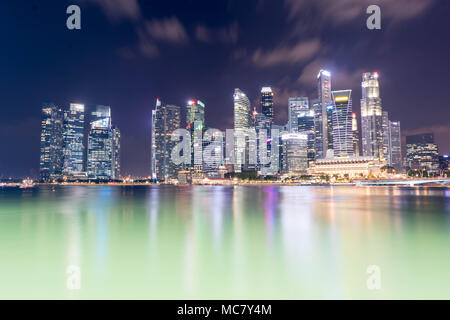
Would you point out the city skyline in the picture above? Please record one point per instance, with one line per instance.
(216, 50)
(65, 129)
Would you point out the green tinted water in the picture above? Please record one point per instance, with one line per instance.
(219, 242)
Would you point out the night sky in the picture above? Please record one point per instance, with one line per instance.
(130, 52)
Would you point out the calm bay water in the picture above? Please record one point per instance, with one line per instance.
(203, 242)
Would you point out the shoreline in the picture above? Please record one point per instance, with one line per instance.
(243, 184)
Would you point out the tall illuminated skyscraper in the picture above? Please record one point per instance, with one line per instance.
(318, 130)
(165, 120)
(73, 141)
(306, 126)
(242, 123)
(325, 100)
(330, 132)
(371, 117)
(116, 166)
(195, 122)
(342, 123)
(395, 158)
(100, 145)
(267, 102)
(385, 126)
(296, 106)
(51, 160)
(355, 133)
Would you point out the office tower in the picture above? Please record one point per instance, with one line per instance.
(395, 146)
(242, 124)
(267, 102)
(324, 86)
(195, 113)
(371, 117)
(115, 153)
(342, 124)
(166, 119)
(195, 122)
(306, 126)
(295, 107)
(422, 152)
(294, 148)
(330, 111)
(263, 126)
(73, 141)
(213, 152)
(385, 126)
(51, 159)
(153, 142)
(355, 133)
(317, 108)
(100, 145)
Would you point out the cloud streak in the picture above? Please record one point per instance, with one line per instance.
(117, 10)
(299, 53)
(224, 35)
(343, 11)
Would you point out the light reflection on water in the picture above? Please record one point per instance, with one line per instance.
(225, 242)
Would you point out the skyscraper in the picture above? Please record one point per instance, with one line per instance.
(263, 126)
(242, 124)
(295, 107)
(195, 122)
(395, 146)
(267, 102)
(100, 145)
(306, 126)
(422, 152)
(385, 126)
(355, 133)
(51, 159)
(165, 120)
(371, 117)
(295, 159)
(73, 141)
(342, 123)
(330, 111)
(318, 130)
(324, 86)
(116, 153)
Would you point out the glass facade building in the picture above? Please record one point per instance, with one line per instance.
(267, 102)
(73, 141)
(342, 124)
(100, 145)
(325, 100)
(116, 166)
(51, 155)
(371, 117)
(242, 123)
(422, 152)
(294, 149)
(305, 122)
(355, 133)
(165, 120)
(395, 158)
(195, 122)
(296, 105)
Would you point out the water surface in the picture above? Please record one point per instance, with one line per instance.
(220, 242)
